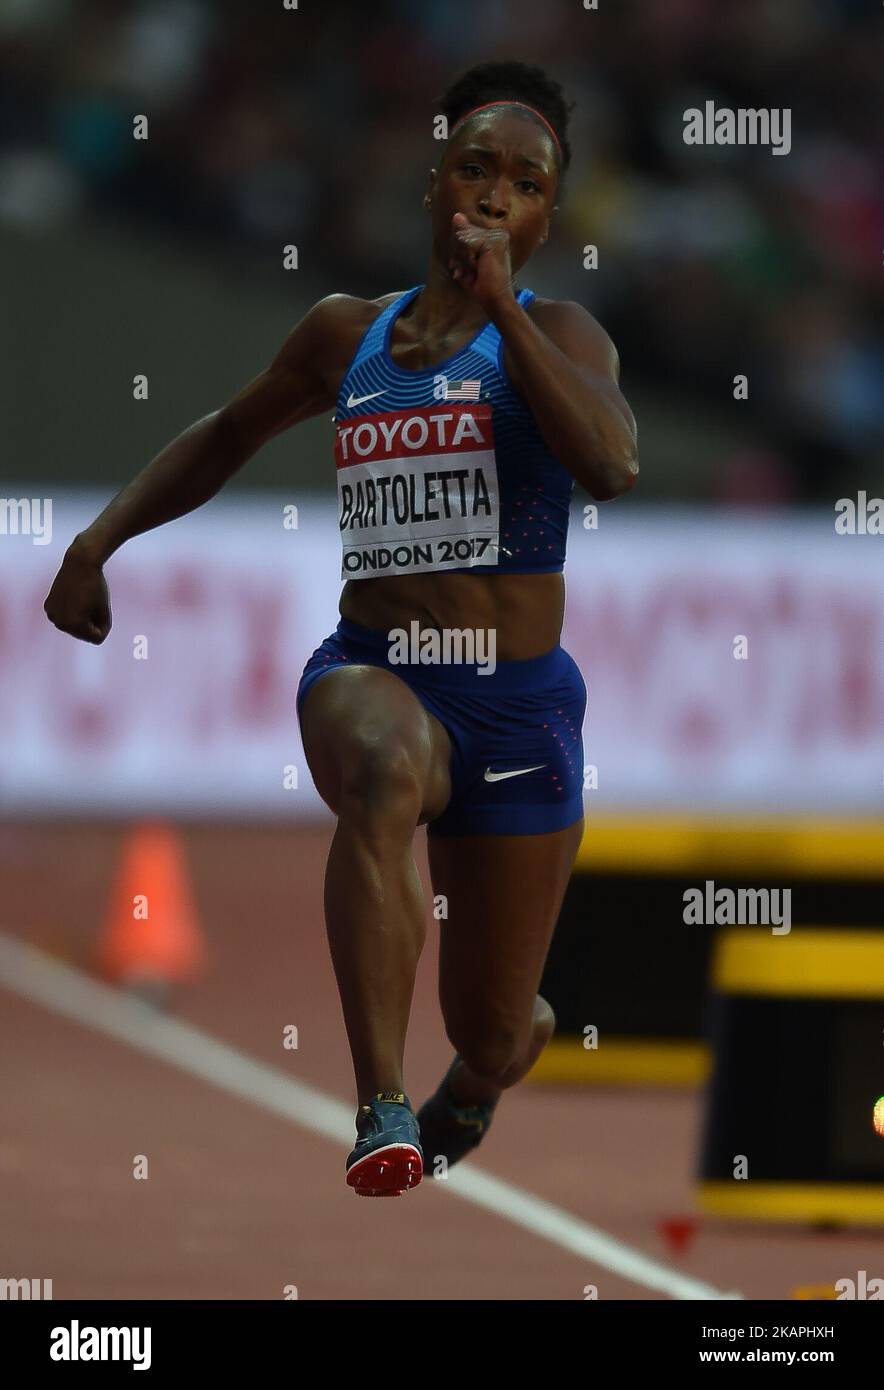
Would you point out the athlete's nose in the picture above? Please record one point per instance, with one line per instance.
(493, 205)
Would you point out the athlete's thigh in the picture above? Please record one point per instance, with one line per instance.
(365, 716)
(504, 894)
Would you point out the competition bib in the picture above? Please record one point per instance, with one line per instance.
(417, 490)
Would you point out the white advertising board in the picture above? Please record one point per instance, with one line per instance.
(231, 603)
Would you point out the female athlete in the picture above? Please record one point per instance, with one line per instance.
(464, 409)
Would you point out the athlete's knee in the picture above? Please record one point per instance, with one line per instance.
(378, 775)
(500, 1054)
(490, 1056)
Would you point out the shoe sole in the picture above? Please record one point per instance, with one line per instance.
(387, 1172)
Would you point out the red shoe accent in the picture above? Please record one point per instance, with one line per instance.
(388, 1172)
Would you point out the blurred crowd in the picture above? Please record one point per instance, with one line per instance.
(314, 126)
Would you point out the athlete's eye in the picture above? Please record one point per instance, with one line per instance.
(531, 185)
(466, 167)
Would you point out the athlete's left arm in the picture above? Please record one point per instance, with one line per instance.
(566, 367)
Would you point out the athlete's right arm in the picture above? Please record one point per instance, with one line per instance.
(197, 464)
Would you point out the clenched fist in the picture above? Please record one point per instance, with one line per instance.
(481, 260)
(78, 602)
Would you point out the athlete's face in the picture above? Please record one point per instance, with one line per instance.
(499, 170)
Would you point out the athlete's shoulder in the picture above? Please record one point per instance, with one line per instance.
(348, 309)
(577, 332)
(336, 325)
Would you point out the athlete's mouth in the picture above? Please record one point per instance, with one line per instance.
(482, 226)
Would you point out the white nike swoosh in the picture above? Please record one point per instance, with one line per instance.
(357, 400)
(519, 772)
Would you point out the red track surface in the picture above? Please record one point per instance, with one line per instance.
(240, 1203)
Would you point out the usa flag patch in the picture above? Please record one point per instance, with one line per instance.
(462, 390)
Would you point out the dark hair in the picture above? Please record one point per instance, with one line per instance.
(510, 81)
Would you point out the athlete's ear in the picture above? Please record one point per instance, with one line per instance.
(431, 185)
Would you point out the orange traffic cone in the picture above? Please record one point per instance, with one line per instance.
(151, 939)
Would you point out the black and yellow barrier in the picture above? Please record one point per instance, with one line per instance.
(624, 962)
(798, 1037)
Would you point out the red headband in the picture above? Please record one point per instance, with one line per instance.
(505, 102)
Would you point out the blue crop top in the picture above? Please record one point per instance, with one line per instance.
(444, 468)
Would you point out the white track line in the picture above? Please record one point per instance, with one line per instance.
(44, 980)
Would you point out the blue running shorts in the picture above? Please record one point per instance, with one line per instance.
(516, 733)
